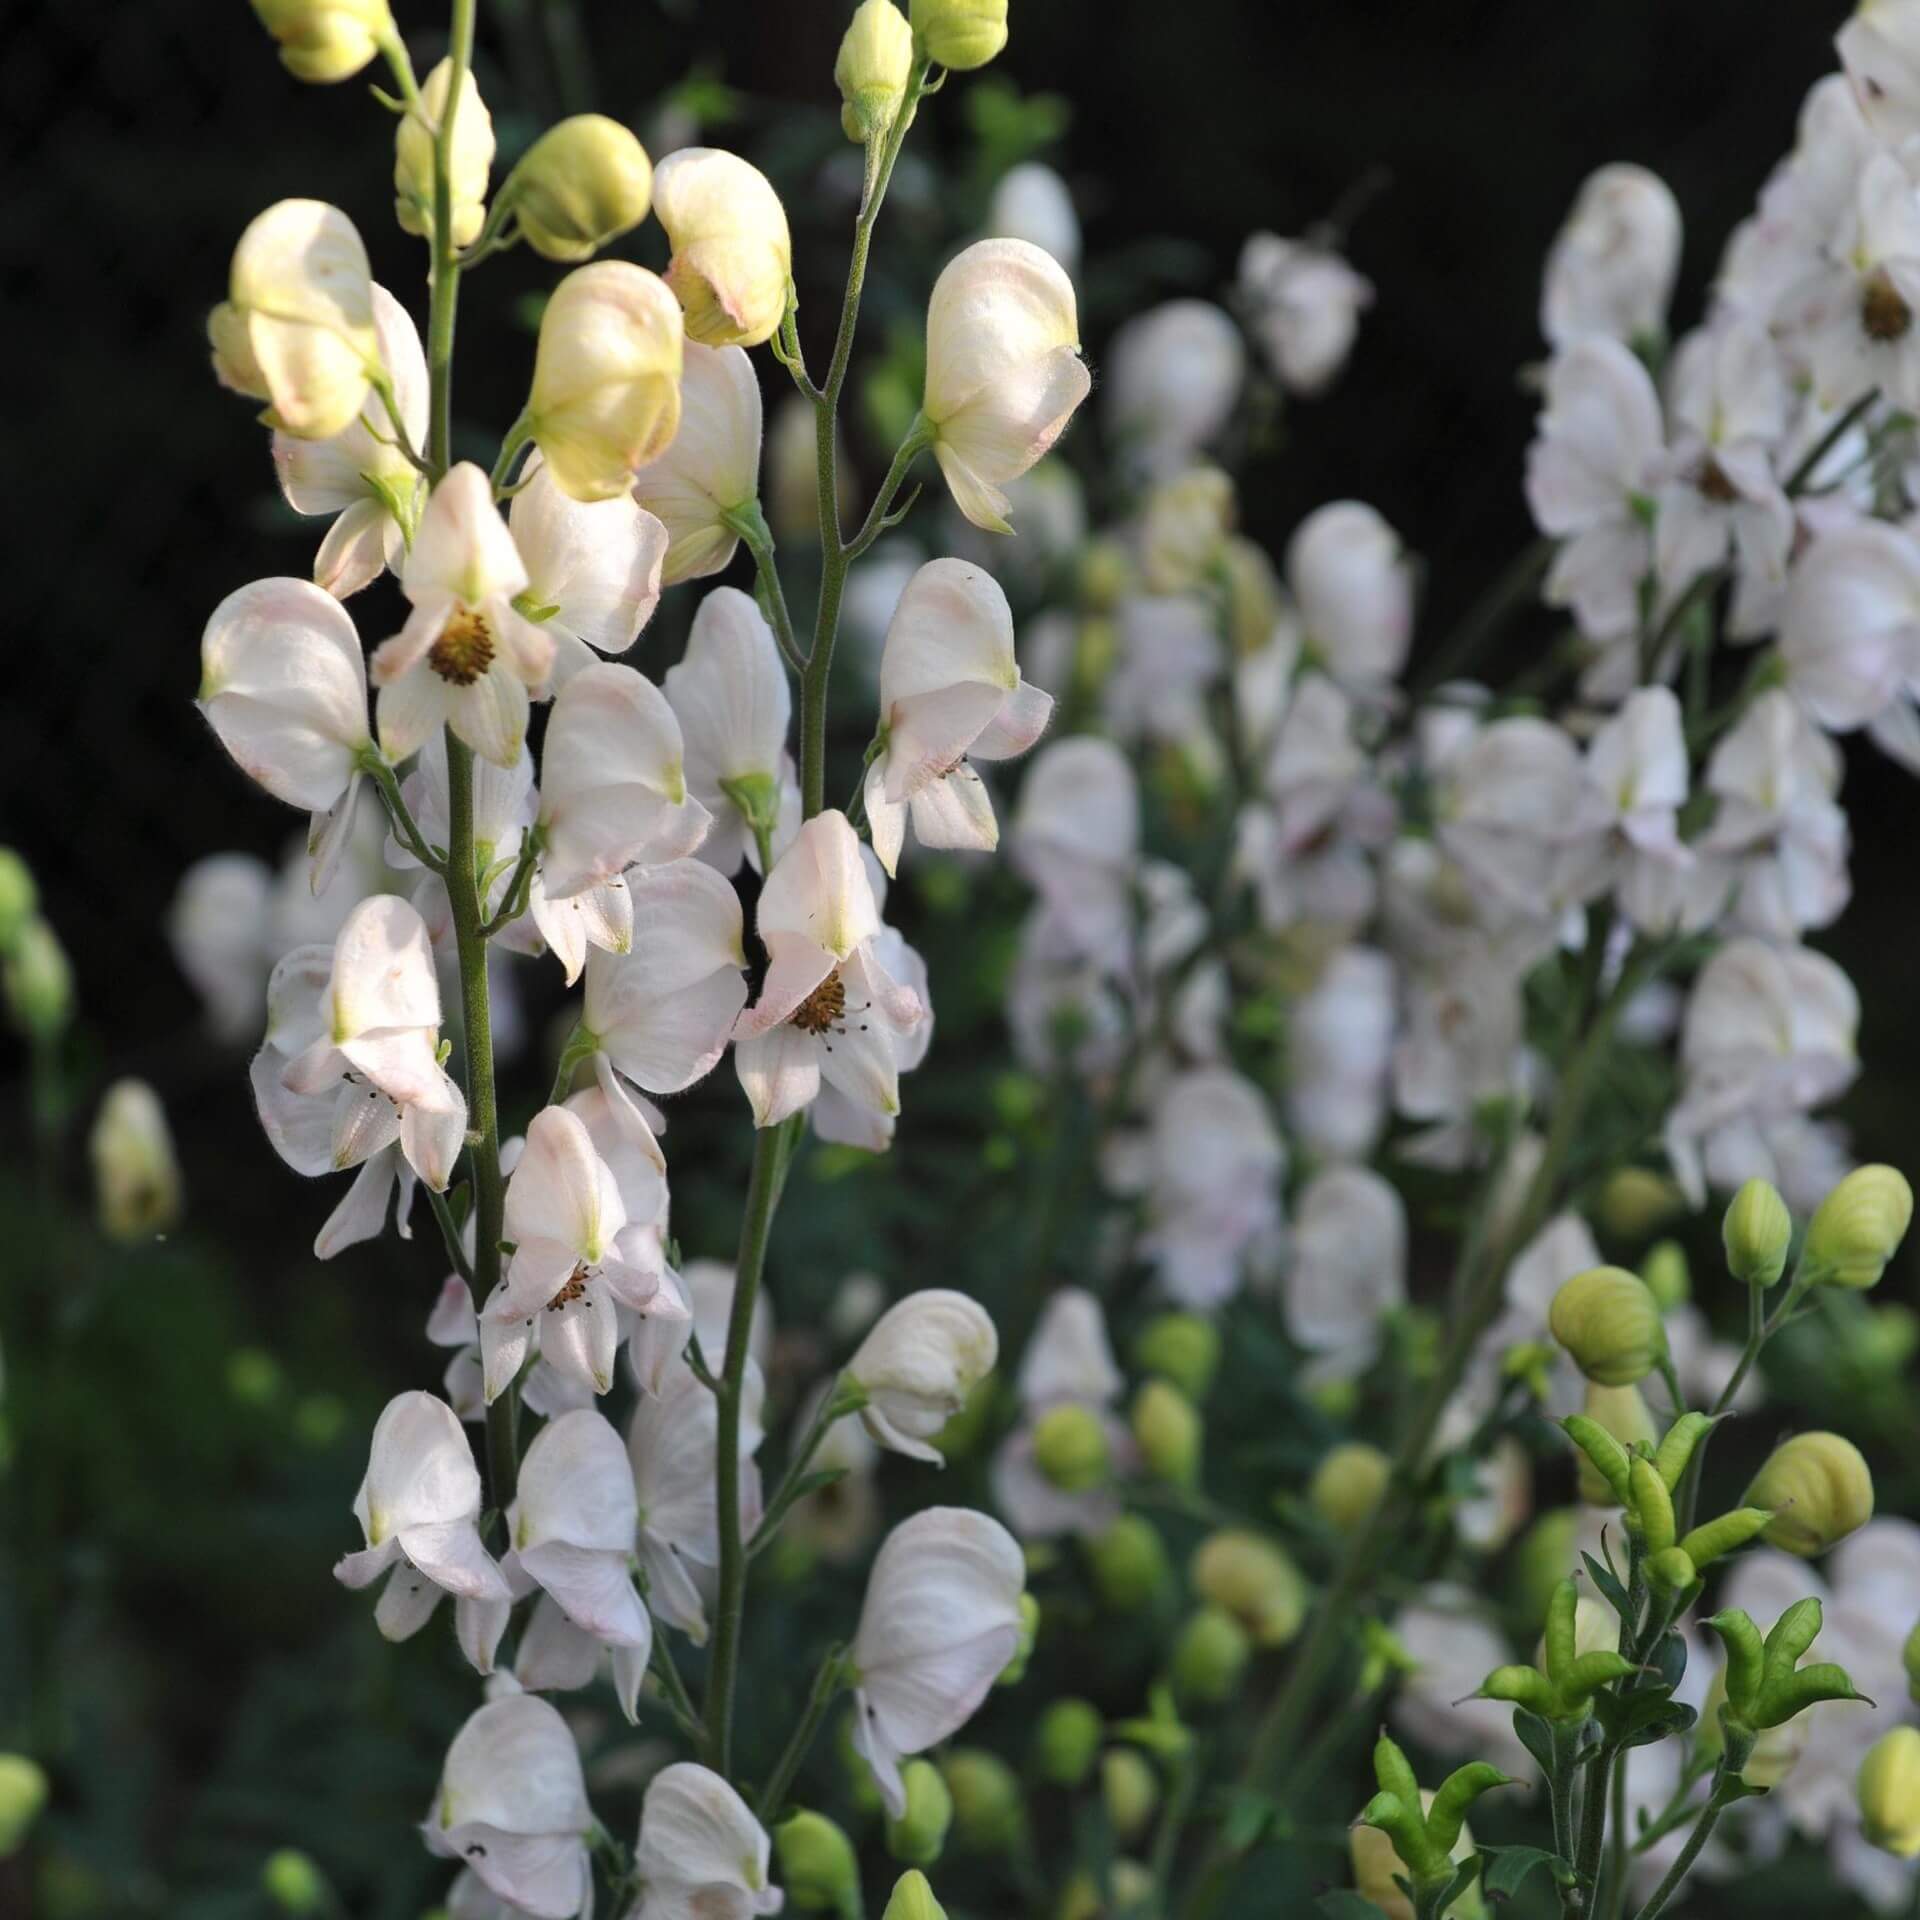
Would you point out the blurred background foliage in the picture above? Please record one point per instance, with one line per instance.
(185, 1423)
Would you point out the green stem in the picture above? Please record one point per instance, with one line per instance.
(1593, 1825)
(1173, 1819)
(375, 767)
(826, 1688)
(1717, 1804)
(450, 1233)
(751, 525)
(1560, 1778)
(446, 256)
(517, 437)
(835, 1404)
(880, 515)
(1802, 475)
(660, 1662)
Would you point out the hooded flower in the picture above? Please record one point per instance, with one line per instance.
(917, 1365)
(1303, 304)
(949, 688)
(829, 1008)
(1611, 267)
(1076, 839)
(712, 469)
(1173, 379)
(1004, 373)
(700, 1854)
(1850, 634)
(1353, 584)
(512, 1808)
(732, 266)
(940, 1621)
(1348, 1265)
(466, 657)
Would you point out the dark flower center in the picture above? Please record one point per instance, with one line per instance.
(824, 1008)
(1883, 311)
(464, 650)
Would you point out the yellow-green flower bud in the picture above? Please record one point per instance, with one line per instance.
(1128, 1564)
(817, 1864)
(326, 40)
(913, 1899)
(1820, 1490)
(1622, 1414)
(1540, 1562)
(1708, 1542)
(470, 163)
(19, 898)
(1070, 1448)
(1131, 1790)
(583, 183)
(1665, 1272)
(1609, 1322)
(23, 1792)
(875, 63)
(961, 34)
(136, 1179)
(1254, 1581)
(1890, 1792)
(38, 982)
(1650, 1505)
(1255, 598)
(1858, 1228)
(1209, 1656)
(1636, 1202)
(293, 1883)
(1347, 1485)
(1016, 1669)
(919, 1836)
(989, 1808)
(1757, 1232)
(1671, 1571)
(1066, 1742)
(1168, 1430)
(1183, 1348)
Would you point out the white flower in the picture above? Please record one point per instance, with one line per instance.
(512, 1808)
(1339, 1045)
(419, 1511)
(1173, 379)
(1880, 49)
(1076, 838)
(732, 266)
(1349, 1265)
(593, 568)
(361, 476)
(1032, 203)
(940, 1620)
(1069, 1356)
(1590, 471)
(216, 925)
(918, 1364)
(465, 657)
(712, 469)
(1637, 773)
(284, 685)
(846, 1121)
(1170, 657)
(700, 1853)
(1004, 373)
(1611, 267)
(1354, 585)
(949, 687)
(829, 1008)
(662, 1011)
(734, 703)
(1303, 304)
(1850, 633)
(709, 1288)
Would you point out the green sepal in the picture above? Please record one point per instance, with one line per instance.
(1724, 1534)
(1609, 1457)
(1676, 1450)
(1652, 1505)
(1458, 1791)
(1746, 1658)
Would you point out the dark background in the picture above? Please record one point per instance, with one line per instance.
(184, 1499)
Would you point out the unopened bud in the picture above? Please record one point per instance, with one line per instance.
(1183, 1348)
(19, 898)
(1131, 1790)
(1757, 1231)
(1070, 1448)
(732, 265)
(961, 34)
(1168, 1429)
(1820, 1490)
(1889, 1788)
(1255, 1581)
(913, 1899)
(1347, 1485)
(1609, 1323)
(919, 1836)
(989, 1809)
(1128, 1564)
(38, 982)
(1636, 1201)
(326, 40)
(23, 1792)
(1209, 1656)
(469, 165)
(1066, 1742)
(817, 1864)
(1858, 1228)
(1665, 1272)
(1185, 529)
(294, 1884)
(136, 1179)
(875, 64)
(581, 184)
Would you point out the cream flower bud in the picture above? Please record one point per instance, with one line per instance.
(1611, 268)
(1609, 1323)
(326, 40)
(1004, 373)
(1757, 1231)
(919, 1835)
(1209, 1656)
(135, 1175)
(961, 34)
(1070, 1448)
(1254, 1581)
(298, 328)
(1169, 1432)
(1858, 1227)
(1819, 1489)
(732, 265)
(1347, 1485)
(23, 1793)
(1889, 1787)
(469, 162)
(818, 1867)
(876, 60)
(581, 184)
(606, 377)
(712, 469)
(918, 1364)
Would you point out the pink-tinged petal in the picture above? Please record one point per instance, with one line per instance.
(432, 1137)
(819, 889)
(779, 1072)
(411, 710)
(1017, 727)
(594, 1590)
(580, 1339)
(449, 1553)
(931, 731)
(362, 1214)
(537, 1271)
(395, 658)
(562, 1192)
(952, 627)
(403, 1063)
(956, 811)
(886, 819)
(353, 554)
(796, 968)
(462, 549)
(406, 1603)
(490, 715)
(504, 1345)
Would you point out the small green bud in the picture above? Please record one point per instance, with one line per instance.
(582, 184)
(912, 1899)
(23, 1792)
(254, 1377)
(1731, 1531)
(1665, 1271)
(1182, 1347)
(1168, 1430)
(989, 1808)
(1819, 1489)
(1254, 1581)
(1651, 1510)
(873, 68)
(1070, 1448)
(1209, 1656)
(919, 1836)
(38, 982)
(1347, 1485)
(1757, 1231)
(1128, 1564)
(1858, 1228)
(817, 1864)
(962, 34)
(1066, 1742)
(1131, 1790)
(19, 898)
(1636, 1202)
(1016, 1669)
(293, 1883)
(1889, 1788)
(1671, 1571)
(1609, 1322)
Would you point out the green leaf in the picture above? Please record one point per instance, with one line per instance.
(1536, 1736)
(1342, 1903)
(1607, 1586)
(1504, 1870)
